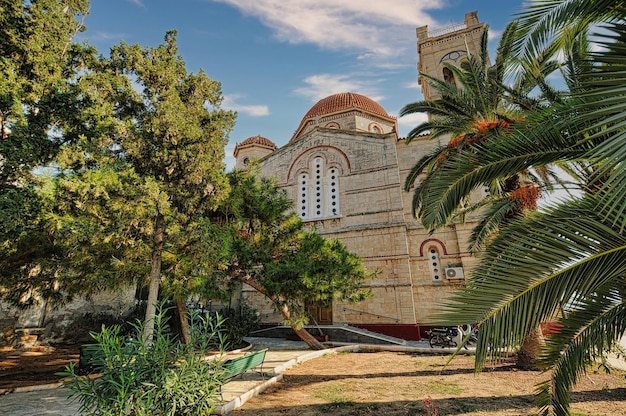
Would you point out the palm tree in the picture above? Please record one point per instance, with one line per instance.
(569, 260)
(480, 108)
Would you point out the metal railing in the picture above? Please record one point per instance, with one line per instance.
(446, 29)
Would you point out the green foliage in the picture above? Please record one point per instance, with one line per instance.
(131, 200)
(239, 322)
(44, 76)
(82, 325)
(134, 171)
(274, 254)
(163, 377)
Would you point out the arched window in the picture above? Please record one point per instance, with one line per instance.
(318, 191)
(375, 128)
(448, 76)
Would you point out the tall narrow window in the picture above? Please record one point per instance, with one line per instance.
(434, 264)
(319, 191)
(303, 195)
(318, 169)
(333, 192)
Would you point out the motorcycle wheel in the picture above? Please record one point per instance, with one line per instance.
(435, 341)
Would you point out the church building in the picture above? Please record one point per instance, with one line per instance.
(344, 168)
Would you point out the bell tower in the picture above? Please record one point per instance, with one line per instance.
(447, 44)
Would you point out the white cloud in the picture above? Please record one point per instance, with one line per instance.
(408, 122)
(107, 36)
(230, 103)
(413, 85)
(494, 34)
(376, 29)
(322, 85)
(137, 2)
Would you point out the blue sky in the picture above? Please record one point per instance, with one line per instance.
(276, 58)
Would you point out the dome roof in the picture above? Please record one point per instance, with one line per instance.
(255, 142)
(338, 104)
(258, 140)
(345, 101)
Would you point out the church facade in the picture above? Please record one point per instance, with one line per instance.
(345, 169)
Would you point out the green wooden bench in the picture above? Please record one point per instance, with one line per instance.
(239, 365)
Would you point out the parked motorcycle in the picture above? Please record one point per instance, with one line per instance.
(443, 337)
(470, 332)
(448, 336)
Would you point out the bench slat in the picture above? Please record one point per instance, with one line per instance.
(240, 365)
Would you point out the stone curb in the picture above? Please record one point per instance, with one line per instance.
(26, 389)
(239, 401)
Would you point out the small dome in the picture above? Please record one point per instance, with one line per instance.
(345, 101)
(258, 140)
(255, 142)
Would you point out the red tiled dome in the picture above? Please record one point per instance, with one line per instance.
(258, 140)
(342, 103)
(345, 101)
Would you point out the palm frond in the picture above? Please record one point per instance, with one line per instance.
(499, 156)
(534, 268)
(542, 23)
(423, 165)
(584, 334)
(492, 218)
(606, 108)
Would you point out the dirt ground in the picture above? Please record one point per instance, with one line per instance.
(375, 383)
(391, 383)
(38, 366)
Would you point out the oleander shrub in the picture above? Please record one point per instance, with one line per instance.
(161, 377)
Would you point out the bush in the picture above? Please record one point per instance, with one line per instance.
(238, 322)
(162, 377)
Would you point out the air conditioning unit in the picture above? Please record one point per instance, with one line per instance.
(454, 273)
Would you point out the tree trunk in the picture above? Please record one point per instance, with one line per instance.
(529, 350)
(304, 335)
(155, 278)
(181, 307)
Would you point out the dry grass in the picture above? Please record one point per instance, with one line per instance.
(391, 383)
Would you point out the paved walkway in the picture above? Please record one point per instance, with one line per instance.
(282, 354)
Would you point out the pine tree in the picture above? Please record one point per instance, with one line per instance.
(132, 201)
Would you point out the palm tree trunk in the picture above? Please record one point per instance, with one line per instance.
(529, 350)
(155, 278)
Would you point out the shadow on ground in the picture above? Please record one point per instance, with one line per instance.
(448, 406)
